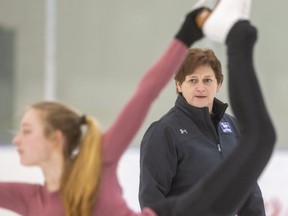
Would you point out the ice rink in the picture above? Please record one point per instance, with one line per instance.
(273, 182)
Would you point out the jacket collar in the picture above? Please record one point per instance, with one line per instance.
(218, 109)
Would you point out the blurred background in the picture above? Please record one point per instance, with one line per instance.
(91, 54)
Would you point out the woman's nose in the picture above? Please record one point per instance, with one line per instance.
(200, 87)
(15, 139)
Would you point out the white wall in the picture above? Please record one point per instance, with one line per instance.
(104, 46)
(273, 181)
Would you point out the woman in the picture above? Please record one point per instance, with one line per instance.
(81, 172)
(215, 195)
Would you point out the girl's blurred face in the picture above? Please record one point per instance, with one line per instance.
(33, 146)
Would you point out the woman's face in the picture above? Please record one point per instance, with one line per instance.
(33, 146)
(199, 89)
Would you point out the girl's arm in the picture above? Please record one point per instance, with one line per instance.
(123, 130)
(13, 196)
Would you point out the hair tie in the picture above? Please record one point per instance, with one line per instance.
(83, 120)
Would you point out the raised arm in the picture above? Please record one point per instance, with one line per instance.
(124, 128)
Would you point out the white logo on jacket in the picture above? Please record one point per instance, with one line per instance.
(225, 127)
(182, 131)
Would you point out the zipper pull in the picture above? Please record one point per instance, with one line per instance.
(219, 147)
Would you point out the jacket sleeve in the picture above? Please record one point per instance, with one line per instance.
(254, 205)
(158, 164)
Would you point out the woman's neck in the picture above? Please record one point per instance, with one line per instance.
(52, 172)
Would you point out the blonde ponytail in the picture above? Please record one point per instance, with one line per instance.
(81, 182)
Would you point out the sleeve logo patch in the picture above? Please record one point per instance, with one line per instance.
(225, 127)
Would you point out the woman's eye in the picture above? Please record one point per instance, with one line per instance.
(193, 80)
(26, 131)
(207, 81)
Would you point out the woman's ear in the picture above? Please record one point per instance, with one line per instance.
(219, 87)
(179, 87)
(57, 137)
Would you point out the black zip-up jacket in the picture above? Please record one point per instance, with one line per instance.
(182, 147)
